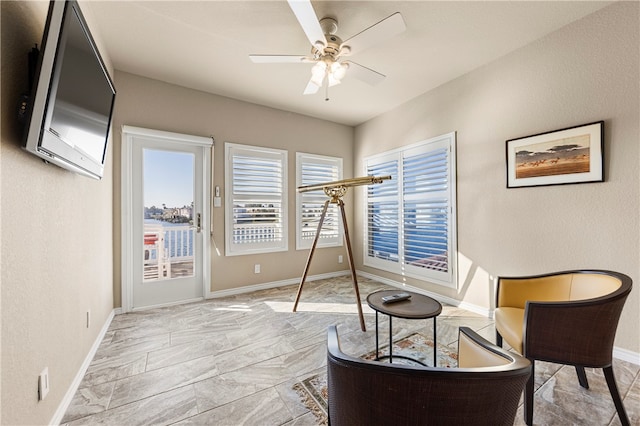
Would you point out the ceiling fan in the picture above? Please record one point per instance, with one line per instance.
(328, 50)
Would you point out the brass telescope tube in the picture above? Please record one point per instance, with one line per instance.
(366, 180)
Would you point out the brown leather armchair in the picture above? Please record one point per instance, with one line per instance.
(567, 318)
(485, 389)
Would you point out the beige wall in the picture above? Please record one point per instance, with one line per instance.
(56, 248)
(585, 72)
(143, 102)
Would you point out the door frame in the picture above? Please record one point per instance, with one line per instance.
(126, 219)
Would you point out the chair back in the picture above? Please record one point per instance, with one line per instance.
(486, 392)
(590, 285)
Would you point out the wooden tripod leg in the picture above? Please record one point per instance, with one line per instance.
(311, 251)
(347, 241)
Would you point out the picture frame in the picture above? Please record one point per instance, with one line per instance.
(559, 157)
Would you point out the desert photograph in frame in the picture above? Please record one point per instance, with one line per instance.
(571, 155)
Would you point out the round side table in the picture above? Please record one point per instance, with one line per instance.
(418, 306)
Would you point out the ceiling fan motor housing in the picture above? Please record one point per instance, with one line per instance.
(332, 49)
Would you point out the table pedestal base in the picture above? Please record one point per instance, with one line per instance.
(391, 356)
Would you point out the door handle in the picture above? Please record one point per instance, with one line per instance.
(198, 223)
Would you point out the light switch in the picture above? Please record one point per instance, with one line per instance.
(43, 384)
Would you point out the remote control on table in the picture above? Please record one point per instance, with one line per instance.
(395, 297)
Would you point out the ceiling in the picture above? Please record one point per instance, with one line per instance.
(205, 45)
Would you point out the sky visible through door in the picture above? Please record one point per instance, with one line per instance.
(168, 185)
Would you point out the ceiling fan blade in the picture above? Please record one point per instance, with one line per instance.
(377, 33)
(365, 74)
(308, 20)
(311, 88)
(277, 59)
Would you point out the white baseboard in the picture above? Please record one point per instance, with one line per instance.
(164, 305)
(68, 397)
(272, 284)
(626, 355)
(440, 298)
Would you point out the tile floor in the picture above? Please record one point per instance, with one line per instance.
(233, 361)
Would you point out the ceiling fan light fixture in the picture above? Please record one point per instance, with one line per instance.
(317, 73)
(332, 81)
(319, 67)
(338, 70)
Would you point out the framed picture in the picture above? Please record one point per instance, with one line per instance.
(572, 155)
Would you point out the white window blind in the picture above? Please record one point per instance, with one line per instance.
(256, 199)
(383, 211)
(313, 169)
(426, 209)
(411, 221)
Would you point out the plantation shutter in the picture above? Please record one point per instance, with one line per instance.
(426, 209)
(256, 200)
(383, 212)
(314, 169)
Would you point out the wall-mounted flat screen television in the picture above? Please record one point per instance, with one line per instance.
(72, 99)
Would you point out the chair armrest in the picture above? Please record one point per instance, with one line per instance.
(333, 343)
(476, 352)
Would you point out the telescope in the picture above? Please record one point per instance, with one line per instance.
(338, 188)
(335, 190)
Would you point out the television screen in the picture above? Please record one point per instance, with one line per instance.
(73, 98)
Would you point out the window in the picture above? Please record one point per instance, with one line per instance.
(411, 221)
(256, 200)
(312, 169)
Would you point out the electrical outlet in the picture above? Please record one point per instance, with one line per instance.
(256, 268)
(43, 384)
(340, 259)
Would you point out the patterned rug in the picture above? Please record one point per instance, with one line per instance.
(313, 390)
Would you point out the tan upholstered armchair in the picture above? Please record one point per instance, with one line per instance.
(567, 318)
(485, 389)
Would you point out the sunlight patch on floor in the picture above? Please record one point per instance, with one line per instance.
(327, 307)
(242, 308)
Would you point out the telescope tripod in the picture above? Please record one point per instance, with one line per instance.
(335, 195)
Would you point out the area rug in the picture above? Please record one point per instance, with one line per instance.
(313, 390)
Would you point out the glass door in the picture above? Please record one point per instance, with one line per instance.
(169, 221)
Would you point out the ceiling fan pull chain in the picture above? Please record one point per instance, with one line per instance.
(326, 93)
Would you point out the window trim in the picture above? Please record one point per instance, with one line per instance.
(301, 158)
(400, 267)
(232, 249)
